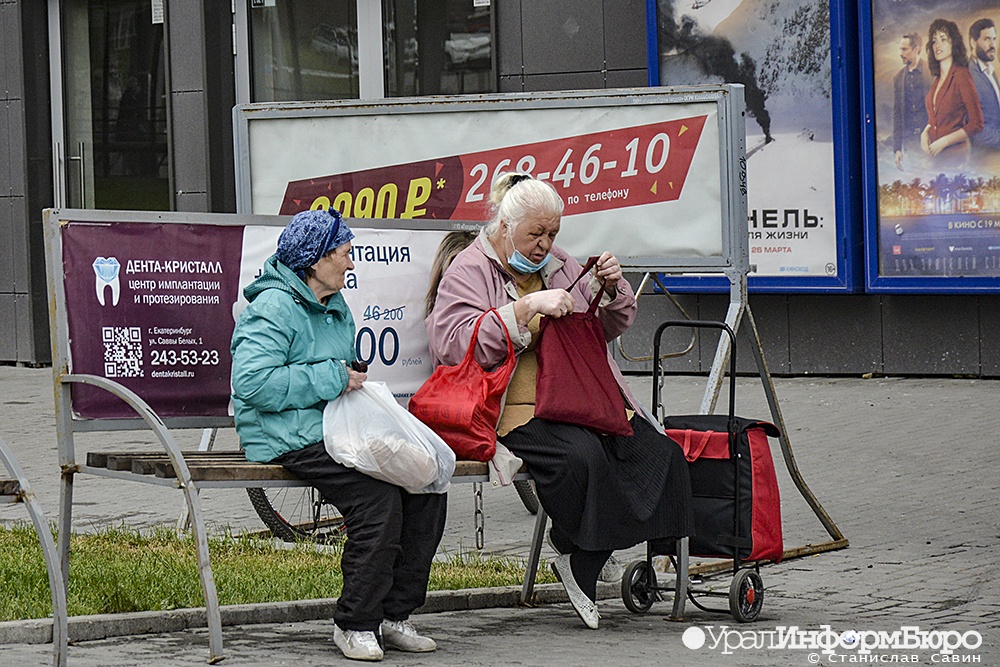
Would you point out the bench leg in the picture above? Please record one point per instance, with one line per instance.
(214, 616)
(65, 530)
(57, 585)
(56, 582)
(205, 445)
(681, 589)
(531, 569)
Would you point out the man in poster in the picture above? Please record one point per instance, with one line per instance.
(909, 90)
(983, 43)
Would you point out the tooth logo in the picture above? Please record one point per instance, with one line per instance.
(107, 274)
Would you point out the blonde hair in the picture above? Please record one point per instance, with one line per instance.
(452, 244)
(514, 196)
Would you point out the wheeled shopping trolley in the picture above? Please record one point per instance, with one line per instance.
(737, 512)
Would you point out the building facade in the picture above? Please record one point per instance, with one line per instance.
(127, 104)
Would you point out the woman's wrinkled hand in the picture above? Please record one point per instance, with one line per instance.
(608, 270)
(553, 302)
(355, 380)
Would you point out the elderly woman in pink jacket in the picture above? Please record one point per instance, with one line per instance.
(603, 492)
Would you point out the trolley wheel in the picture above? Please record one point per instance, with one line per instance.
(526, 492)
(638, 587)
(295, 513)
(746, 595)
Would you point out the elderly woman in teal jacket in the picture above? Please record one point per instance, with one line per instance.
(292, 351)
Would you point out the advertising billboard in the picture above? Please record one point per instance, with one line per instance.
(655, 176)
(155, 298)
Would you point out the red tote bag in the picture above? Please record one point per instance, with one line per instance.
(462, 403)
(575, 384)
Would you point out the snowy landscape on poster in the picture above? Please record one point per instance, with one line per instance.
(780, 51)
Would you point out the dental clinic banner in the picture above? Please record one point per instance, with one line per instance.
(933, 150)
(153, 307)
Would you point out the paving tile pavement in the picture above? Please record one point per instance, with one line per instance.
(905, 467)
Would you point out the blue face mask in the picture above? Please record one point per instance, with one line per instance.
(522, 264)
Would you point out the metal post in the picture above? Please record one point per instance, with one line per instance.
(534, 556)
(786, 447)
(681, 588)
(57, 585)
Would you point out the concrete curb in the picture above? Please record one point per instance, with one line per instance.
(103, 626)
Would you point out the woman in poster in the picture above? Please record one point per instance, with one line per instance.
(953, 111)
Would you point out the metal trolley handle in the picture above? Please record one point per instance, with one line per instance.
(699, 324)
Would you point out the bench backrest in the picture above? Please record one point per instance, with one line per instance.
(150, 301)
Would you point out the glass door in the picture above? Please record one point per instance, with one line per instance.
(115, 116)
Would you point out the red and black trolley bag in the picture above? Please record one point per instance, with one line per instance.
(734, 506)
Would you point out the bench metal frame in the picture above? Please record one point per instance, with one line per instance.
(23, 494)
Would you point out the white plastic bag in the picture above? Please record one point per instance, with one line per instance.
(368, 430)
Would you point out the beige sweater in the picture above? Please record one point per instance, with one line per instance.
(519, 406)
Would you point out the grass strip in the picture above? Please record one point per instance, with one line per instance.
(121, 569)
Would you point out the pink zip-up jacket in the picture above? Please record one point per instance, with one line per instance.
(476, 282)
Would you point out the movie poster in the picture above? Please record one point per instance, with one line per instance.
(780, 51)
(937, 134)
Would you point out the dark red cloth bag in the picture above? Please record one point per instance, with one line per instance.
(575, 384)
(462, 403)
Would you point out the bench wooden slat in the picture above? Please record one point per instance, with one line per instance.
(148, 466)
(10, 487)
(470, 469)
(100, 459)
(228, 472)
(130, 461)
(224, 466)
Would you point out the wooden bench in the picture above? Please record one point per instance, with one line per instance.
(190, 471)
(124, 340)
(18, 490)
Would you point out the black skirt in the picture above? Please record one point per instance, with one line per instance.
(607, 492)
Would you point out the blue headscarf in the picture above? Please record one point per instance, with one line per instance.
(309, 236)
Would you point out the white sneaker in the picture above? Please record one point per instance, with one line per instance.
(402, 636)
(584, 606)
(357, 644)
(612, 571)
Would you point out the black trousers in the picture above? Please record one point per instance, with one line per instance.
(392, 537)
(606, 492)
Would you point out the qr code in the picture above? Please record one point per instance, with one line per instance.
(122, 351)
